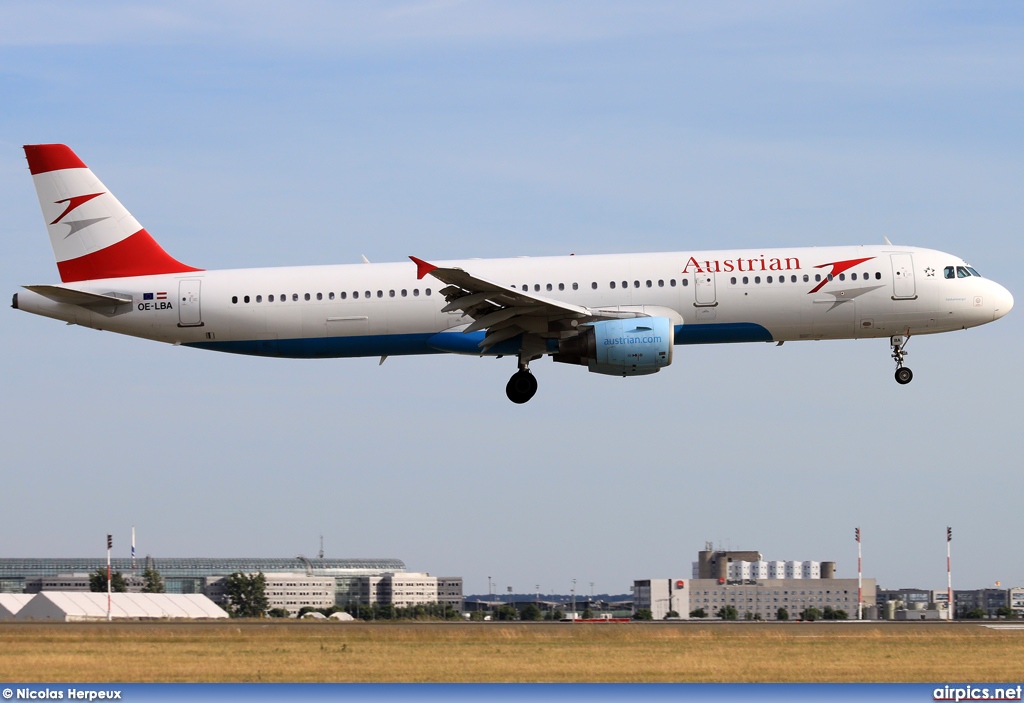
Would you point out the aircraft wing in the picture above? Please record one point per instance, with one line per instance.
(503, 311)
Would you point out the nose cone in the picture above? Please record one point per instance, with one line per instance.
(1003, 302)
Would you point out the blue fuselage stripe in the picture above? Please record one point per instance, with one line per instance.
(447, 342)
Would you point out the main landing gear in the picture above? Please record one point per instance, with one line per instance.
(522, 386)
(903, 374)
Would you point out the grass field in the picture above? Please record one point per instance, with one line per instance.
(240, 651)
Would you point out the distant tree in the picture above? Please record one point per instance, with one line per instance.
(1005, 612)
(975, 614)
(810, 614)
(727, 612)
(588, 613)
(555, 614)
(279, 613)
(748, 615)
(842, 615)
(246, 595)
(782, 614)
(531, 612)
(508, 612)
(643, 614)
(98, 582)
(698, 613)
(671, 614)
(477, 615)
(154, 582)
(305, 609)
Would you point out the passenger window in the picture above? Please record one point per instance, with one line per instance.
(355, 294)
(536, 287)
(625, 284)
(661, 283)
(612, 284)
(878, 275)
(768, 279)
(561, 286)
(415, 292)
(806, 278)
(746, 280)
(367, 294)
(853, 277)
(306, 296)
(842, 277)
(672, 282)
(344, 295)
(391, 294)
(246, 299)
(686, 281)
(270, 298)
(405, 293)
(817, 277)
(793, 279)
(526, 287)
(259, 298)
(732, 280)
(234, 299)
(548, 287)
(575, 286)
(636, 284)
(331, 295)
(295, 296)
(426, 292)
(594, 285)
(319, 296)
(757, 279)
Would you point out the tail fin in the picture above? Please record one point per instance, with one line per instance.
(92, 234)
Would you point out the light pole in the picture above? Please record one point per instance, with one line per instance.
(574, 600)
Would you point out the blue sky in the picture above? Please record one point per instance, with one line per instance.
(250, 134)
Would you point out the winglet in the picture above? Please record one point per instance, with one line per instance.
(422, 267)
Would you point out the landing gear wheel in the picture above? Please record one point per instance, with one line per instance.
(904, 375)
(521, 387)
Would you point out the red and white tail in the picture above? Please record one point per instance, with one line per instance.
(92, 234)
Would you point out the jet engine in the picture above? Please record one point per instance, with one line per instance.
(625, 347)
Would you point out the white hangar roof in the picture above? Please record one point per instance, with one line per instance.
(11, 603)
(81, 605)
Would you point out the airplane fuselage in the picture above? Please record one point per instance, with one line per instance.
(770, 295)
(618, 315)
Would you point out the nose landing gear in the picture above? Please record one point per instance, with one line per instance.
(522, 386)
(903, 374)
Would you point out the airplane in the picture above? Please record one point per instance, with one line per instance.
(619, 315)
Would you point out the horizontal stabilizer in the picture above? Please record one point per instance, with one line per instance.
(59, 294)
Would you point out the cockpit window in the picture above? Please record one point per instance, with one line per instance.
(959, 272)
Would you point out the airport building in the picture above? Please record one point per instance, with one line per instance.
(189, 575)
(291, 583)
(407, 589)
(754, 587)
(293, 592)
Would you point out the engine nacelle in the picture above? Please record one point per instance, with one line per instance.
(631, 347)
